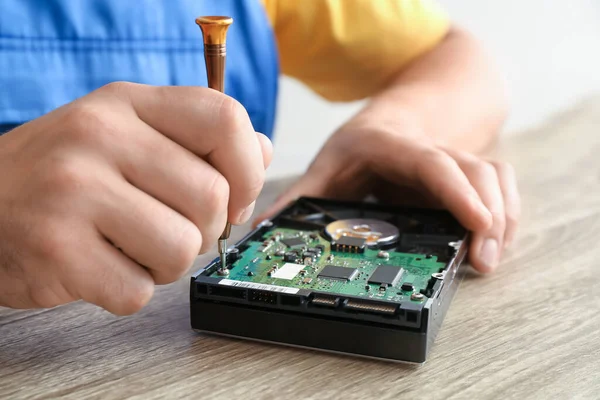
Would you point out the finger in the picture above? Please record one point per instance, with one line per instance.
(405, 196)
(177, 178)
(110, 279)
(438, 173)
(447, 182)
(208, 123)
(512, 199)
(146, 230)
(267, 149)
(486, 245)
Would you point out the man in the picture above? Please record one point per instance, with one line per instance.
(111, 188)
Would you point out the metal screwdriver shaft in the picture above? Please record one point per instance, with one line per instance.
(214, 32)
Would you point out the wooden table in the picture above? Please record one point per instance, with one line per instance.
(532, 330)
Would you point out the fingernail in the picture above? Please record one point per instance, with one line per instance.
(246, 214)
(489, 253)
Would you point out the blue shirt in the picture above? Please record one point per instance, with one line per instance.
(54, 51)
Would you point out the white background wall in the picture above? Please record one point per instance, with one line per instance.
(549, 51)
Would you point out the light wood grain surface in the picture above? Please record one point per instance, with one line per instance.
(530, 331)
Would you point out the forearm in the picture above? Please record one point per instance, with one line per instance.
(452, 95)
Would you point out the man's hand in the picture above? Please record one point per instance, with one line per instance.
(411, 170)
(414, 141)
(120, 190)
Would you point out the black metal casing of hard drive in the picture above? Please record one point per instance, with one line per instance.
(295, 319)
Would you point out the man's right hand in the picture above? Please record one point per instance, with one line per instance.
(120, 190)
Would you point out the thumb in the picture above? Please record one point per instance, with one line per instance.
(307, 185)
(266, 147)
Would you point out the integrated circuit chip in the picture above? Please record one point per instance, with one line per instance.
(387, 275)
(349, 244)
(290, 256)
(293, 242)
(339, 273)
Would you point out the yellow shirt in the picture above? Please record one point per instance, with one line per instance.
(348, 49)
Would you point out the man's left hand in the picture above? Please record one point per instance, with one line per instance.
(411, 169)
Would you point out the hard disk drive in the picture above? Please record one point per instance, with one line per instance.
(358, 278)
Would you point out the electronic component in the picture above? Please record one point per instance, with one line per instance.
(287, 271)
(377, 308)
(309, 254)
(340, 273)
(387, 275)
(293, 242)
(349, 244)
(325, 301)
(314, 250)
(343, 291)
(290, 256)
(266, 246)
(309, 258)
(232, 255)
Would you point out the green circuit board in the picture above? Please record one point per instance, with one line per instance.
(261, 260)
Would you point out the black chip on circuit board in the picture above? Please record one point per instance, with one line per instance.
(293, 242)
(339, 273)
(387, 275)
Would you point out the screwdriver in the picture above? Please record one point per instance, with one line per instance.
(214, 32)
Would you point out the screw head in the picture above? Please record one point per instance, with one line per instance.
(417, 296)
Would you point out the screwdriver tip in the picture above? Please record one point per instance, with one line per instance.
(223, 254)
(223, 261)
